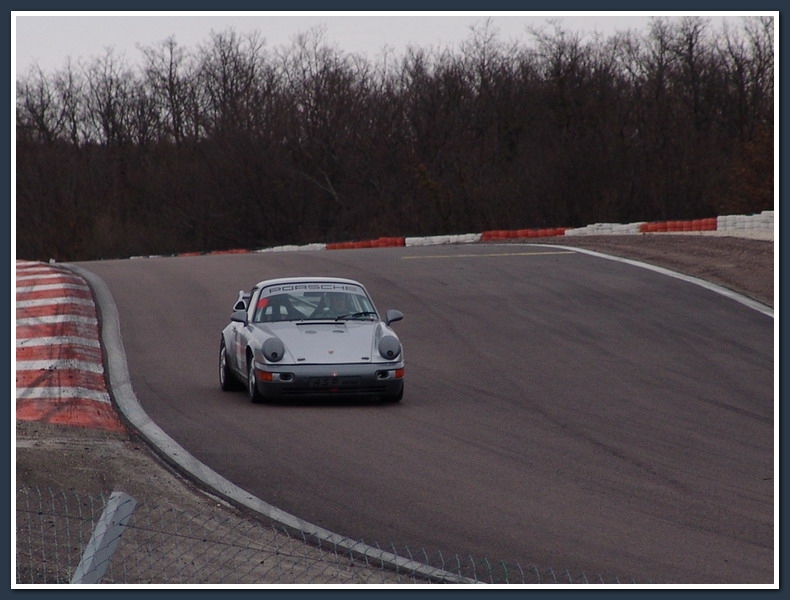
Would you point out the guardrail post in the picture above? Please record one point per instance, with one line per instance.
(104, 539)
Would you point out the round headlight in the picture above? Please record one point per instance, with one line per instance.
(389, 347)
(273, 349)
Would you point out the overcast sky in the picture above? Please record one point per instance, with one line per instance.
(48, 39)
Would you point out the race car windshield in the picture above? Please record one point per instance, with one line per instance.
(298, 302)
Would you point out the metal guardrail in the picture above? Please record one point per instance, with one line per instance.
(63, 537)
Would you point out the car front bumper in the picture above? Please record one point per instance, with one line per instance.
(319, 381)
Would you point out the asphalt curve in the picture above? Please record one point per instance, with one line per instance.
(561, 410)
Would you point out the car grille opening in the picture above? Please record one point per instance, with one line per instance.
(334, 382)
(334, 385)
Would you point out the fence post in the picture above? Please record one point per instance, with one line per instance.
(104, 539)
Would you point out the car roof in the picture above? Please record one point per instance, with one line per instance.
(286, 280)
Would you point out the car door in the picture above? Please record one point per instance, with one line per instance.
(240, 336)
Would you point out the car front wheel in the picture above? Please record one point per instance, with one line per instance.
(252, 386)
(227, 381)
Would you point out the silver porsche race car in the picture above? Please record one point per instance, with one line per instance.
(310, 337)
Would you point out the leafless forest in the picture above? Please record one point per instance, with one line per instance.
(234, 144)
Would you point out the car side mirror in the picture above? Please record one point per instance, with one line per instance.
(393, 315)
(239, 316)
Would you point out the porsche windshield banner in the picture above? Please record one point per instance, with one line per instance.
(312, 287)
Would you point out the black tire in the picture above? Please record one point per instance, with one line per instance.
(227, 380)
(252, 389)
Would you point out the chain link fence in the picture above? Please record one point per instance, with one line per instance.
(63, 537)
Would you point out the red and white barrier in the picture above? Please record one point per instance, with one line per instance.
(734, 224)
(59, 368)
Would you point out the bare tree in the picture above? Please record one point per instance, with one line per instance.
(169, 77)
(235, 144)
(107, 106)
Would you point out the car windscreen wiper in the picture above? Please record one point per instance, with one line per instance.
(356, 315)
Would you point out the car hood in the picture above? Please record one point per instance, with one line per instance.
(329, 342)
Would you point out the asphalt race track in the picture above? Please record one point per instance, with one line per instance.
(561, 410)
